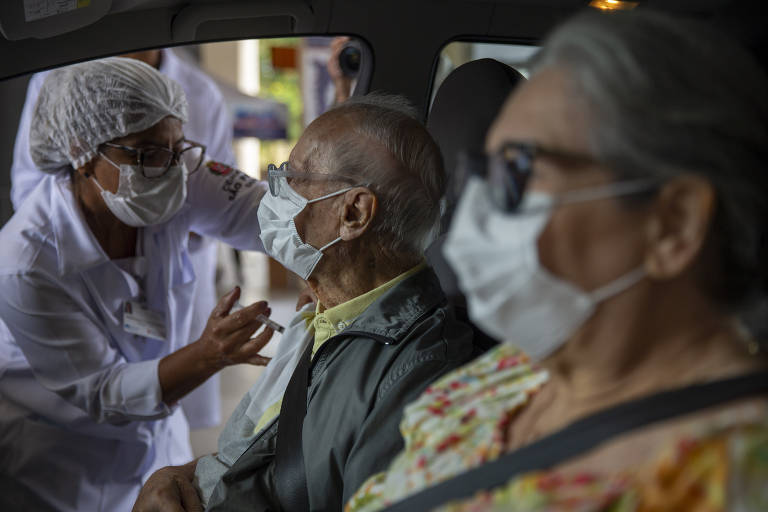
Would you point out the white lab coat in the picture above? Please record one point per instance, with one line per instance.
(82, 423)
(209, 123)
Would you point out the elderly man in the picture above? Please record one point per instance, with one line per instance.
(351, 213)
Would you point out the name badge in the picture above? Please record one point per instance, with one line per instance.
(137, 319)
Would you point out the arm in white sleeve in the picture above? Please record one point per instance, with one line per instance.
(219, 143)
(24, 173)
(224, 202)
(72, 356)
(209, 118)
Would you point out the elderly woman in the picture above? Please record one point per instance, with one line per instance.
(97, 288)
(616, 229)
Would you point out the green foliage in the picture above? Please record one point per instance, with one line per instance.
(285, 87)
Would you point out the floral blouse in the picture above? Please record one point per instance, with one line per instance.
(460, 422)
(469, 409)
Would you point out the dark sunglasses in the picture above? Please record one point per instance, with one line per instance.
(507, 170)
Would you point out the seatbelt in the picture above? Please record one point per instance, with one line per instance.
(290, 473)
(582, 436)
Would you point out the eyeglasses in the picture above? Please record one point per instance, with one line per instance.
(155, 161)
(508, 170)
(284, 171)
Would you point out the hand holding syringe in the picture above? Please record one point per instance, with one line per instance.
(229, 338)
(261, 318)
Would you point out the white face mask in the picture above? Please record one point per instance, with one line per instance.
(141, 201)
(509, 293)
(281, 240)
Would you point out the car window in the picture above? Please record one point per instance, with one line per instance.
(275, 87)
(249, 101)
(271, 88)
(457, 53)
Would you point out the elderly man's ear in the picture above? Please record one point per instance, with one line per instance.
(678, 226)
(357, 214)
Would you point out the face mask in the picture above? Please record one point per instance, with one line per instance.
(509, 293)
(141, 201)
(278, 230)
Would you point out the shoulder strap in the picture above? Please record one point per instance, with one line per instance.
(290, 472)
(583, 435)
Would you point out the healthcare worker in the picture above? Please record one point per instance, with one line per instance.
(98, 287)
(208, 123)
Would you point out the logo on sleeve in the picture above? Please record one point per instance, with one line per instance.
(218, 168)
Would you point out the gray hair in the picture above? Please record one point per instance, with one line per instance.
(393, 152)
(667, 97)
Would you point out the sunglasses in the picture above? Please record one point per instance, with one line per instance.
(508, 170)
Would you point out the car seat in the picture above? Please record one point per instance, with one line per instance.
(465, 105)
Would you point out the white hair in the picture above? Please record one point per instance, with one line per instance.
(393, 152)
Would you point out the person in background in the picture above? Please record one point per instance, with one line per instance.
(208, 123)
(350, 213)
(610, 236)
(342, 84)
(98, 287)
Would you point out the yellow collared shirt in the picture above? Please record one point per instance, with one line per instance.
(330, 322)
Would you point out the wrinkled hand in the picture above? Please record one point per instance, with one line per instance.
(169, 489)
(342, 83)
(227, 340)
(306, 296)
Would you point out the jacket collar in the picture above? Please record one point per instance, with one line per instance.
(392, 316)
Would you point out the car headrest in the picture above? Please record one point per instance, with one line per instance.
(465, 105)
(464, 108)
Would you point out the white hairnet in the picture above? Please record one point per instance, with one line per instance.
(82, 106)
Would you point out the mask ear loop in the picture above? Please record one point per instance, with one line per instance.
(624, 282)
(105, 157)
(327, 196)
(609, 190)
(93, 176)
(323, 248)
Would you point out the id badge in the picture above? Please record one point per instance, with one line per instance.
(137, 319)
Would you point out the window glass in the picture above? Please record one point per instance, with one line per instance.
(275, 87)
(248, 103)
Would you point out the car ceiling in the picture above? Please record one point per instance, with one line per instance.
(405, 35)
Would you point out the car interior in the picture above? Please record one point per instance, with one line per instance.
(455, 60)
(400, 41)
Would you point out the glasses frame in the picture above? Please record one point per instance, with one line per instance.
(175, 156)
(274, 173)
(508, 169)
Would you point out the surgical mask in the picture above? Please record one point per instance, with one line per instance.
(141, 201)
(509, 293)
(281, 240)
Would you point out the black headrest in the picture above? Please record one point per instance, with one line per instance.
(465, 105)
